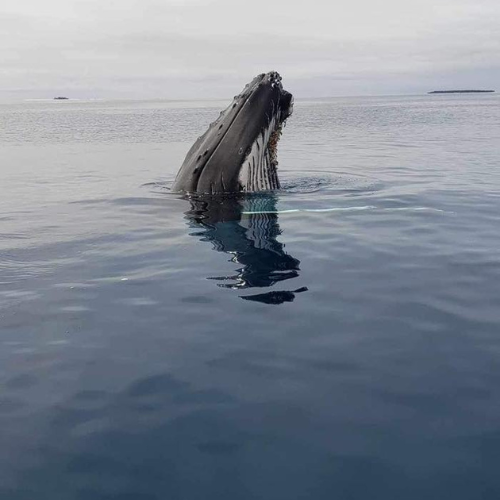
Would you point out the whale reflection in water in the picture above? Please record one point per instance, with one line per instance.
(246, 228)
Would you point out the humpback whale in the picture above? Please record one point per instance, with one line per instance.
(238, 152)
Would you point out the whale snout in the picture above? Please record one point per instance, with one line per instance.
(286, 104)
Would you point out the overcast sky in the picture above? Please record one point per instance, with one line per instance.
(211, 48)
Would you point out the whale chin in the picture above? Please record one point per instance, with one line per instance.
(238, 152)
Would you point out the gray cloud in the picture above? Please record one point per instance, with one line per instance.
(182, 49)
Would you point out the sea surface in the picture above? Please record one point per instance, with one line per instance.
(339, 339)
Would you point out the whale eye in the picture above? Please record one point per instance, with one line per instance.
(199, 158)
(240, 151)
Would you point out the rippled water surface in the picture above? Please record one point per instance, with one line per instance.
(338, 339)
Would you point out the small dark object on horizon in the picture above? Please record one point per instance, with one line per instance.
(61, 98)
(460, 91)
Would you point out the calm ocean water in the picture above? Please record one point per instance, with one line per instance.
(338, 339)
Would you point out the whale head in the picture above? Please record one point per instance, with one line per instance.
(238, 152)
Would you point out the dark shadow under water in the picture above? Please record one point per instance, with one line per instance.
(247, 229)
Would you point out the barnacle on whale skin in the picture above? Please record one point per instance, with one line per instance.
(273, 145)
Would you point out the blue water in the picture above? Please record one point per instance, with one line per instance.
(338, 339)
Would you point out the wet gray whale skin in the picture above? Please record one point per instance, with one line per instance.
(238, 151)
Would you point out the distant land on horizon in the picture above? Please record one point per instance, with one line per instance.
(458, 91)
